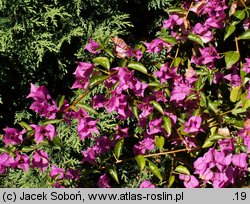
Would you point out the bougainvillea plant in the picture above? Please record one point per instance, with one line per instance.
(180, 104)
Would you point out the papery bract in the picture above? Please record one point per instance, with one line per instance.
(189, 181)
(82, 74)
(23, 161)
(86, 127)
(147, 184)
(44, 131)
(40, 160)
(13, 136)
(93, 47)
(103, 181)
(56, 172)
(3, 162)
(143, 146)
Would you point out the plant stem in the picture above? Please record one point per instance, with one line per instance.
(225, 113)
(189, 9)
(154, 155)
(176, 55)
(86, 93)
(183, 140)
(237, 48)
(243, 3)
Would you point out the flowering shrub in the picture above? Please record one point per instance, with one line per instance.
(179, 107)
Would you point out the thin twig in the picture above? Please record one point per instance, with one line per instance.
(86, 93)
(243, 3)
(154, 155)
(183, 140)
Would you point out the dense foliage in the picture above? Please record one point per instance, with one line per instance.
(170, 112)
(40, 41)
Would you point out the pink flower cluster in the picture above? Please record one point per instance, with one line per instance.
(171, 101)
(43, 104)
(22, 161)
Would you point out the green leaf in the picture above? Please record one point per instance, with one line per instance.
(25, 125)
(207, 143)
(171, 180)
(235, 93)
(243, 148)
(177, 61)
(245, 35)
(154, 169)
(196, 39)
(123, 63)
(216, 137)
(229, 31)
(135, 111)
(109, 52)
(167, 124)
(118, 148)
(141, 162)
(213, 131)
(238, 16)
(57, 141)
(112, 171)
(88, 108)
(212, 106)
(97, 79)
(169, 39)
(27, 149)
(203, 100)
(138, 66)
(159, 141)
(4, 150)
(154, 84)
(231, 57)
(182, 169)
(51, 121)
(103, 61)
(175, 10)
(60, 101)
(245, 101)
(238, 111)
(157, 106)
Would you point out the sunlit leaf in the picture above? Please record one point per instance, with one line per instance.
(169, 39)
(3, 150)
(235, 94)
(51, 121)
(182, 169)
(245, 35)
(60, 101)
(238, 16)
(231, 57)
(154, 169)
(141, 162)
(138, 66)
(118, 148)
(103, 61)
(88, 108)
(245, 101)
(171, 180)
(195, 38)
(135, 111)
(97, 79)
(229, 31)
(157, 106)
(159, 141)
(25, 125)
(27, 149)
(167, 124)
(112, 171)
